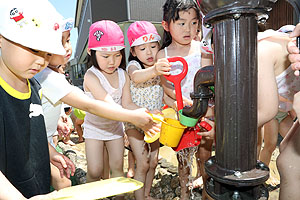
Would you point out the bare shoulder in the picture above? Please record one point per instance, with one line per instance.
(89, 79)
(160, 54)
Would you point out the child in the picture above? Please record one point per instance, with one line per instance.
(79, 114)
(107, 81)
(289, 159)
(28, 38)
(57, 90)
(146, 91)
(284, 77)
(180, 23)
(69, 122)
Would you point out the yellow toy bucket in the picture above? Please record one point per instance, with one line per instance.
(171, 132)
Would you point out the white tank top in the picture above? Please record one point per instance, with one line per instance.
(194, 64)
(100, 128)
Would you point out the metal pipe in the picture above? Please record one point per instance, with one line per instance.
(203, 79)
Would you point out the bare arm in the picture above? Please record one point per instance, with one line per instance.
(206, 60)
(107, 110)
(126, 97)
(267, 95)
(8, 191)
(161, 67)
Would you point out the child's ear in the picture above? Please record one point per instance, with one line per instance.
(88, 51)
(132, 52)
(165, 25)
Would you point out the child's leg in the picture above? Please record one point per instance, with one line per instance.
(77, 125)
(153, 163)
(205, 149)
(285, 125)
(131, 158)
(184, 173)
(288, 164)
(115, 150)
(106, 170)
(270, 140)
(94, 157)
(56, 181)
(131, 165)
(260, 135)
(198, 182)
(136, 140)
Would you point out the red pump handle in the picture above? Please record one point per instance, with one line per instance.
(176, 79)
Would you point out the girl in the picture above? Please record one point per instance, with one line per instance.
(57, 90)
(146, 91)
(106, 81)
(180, 23)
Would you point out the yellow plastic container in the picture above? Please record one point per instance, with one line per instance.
(171, 132)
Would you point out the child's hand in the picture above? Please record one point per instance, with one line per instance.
(154, 130)
(63, 163)
(141, 119)
(62, 128)
(162, 67)
(210, 135)
(186, 102)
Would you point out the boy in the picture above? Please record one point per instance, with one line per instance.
(29, 35)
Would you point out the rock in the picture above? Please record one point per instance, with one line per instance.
(174, 182)
(177, 191)
(165, 180)
(80, 176)
(165, 163)
(169, 196)
(172, 169)
(71, 155)
(162, 172)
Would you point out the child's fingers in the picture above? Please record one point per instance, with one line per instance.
(296, 31)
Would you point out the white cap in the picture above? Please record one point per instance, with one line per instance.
(32, 23)
(205, 44)
(286, 28)
(67, 24)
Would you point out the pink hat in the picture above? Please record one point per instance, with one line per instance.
(106, 35)
(142, 32)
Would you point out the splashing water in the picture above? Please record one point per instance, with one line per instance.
(186, 156)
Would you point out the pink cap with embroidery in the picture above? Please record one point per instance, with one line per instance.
(142, 32)
(106, 35)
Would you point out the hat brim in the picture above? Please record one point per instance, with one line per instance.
(108, 48)
(48, 45)
(141, 40)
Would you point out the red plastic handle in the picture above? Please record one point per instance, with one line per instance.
(206, 125)
(176, 79)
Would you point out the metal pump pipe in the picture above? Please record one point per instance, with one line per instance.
(235, 172)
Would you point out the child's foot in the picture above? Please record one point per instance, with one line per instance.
(130, 173)
(198, 183)
(69, 142)
(80, 140)
(273, 181)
